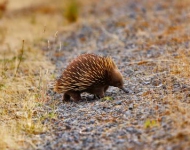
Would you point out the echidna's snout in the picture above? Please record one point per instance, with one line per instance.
(117, 80)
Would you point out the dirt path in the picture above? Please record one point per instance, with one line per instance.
(149, 40)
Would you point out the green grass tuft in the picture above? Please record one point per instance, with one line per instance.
(71, 12)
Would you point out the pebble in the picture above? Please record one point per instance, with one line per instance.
(118, 102)
(131, 106)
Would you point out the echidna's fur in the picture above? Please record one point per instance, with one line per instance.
(89, 73)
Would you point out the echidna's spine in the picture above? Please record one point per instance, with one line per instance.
(85, 71)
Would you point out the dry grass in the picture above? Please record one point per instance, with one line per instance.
(178, 102)
(24, 78)
(171, 71)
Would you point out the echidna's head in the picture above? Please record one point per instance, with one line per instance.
(116, 79)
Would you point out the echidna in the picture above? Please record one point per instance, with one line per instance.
(89, 73)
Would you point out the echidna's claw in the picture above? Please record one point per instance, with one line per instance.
(96, 96)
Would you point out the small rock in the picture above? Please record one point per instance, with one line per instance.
(132, 130)
(91, 121)
(131, 106)
(118, 141)
(128, 112)
(67, 127)
(118, 102)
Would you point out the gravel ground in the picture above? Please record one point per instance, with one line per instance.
(143, 37)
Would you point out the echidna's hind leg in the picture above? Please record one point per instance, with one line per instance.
(75, 95)
(66, 97)
(106, 88)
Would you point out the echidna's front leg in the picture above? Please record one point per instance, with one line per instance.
(75, 95)
(100, 93)
(66, 97)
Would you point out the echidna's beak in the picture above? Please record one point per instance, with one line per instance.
(122, 88)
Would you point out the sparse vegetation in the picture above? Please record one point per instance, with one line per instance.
(71, 11)
(23, 84)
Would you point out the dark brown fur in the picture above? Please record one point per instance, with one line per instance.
(88, 73)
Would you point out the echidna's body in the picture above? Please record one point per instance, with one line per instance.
(89, 73)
